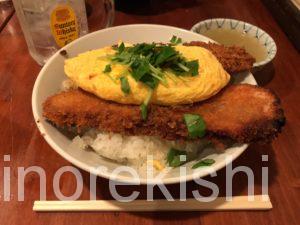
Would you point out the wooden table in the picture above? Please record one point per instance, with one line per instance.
(6, 12)
(20, 138)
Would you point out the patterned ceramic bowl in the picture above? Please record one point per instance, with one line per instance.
(263, 39)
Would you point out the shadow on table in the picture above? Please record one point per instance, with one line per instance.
(152, 7)
(251, 158)
(264, 75)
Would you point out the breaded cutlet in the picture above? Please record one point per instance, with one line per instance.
(242, 113)
(234, 59)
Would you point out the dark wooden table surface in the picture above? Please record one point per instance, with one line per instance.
(20, 138)
(6, 12)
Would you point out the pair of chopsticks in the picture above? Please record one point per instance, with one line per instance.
(260, 202)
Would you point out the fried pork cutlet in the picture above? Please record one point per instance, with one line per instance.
(242, 113)
(233, 59)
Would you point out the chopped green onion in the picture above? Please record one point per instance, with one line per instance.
(121, 47)
(150, 81)
(195, 125)
(165, 53)
(193, 67)
(202, 163)
(140, 68)
(154, 70)
(171, 77)
(144, 105)
(183, 67)
(162, 79)
(190, 67)
(173, 157)
(125, 85)
(148, 98)
(175, 40)
(158, 75)
(144, 111)
(147, 63)
(107, 69)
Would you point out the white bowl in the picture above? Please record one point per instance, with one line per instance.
(264, 39)
(52, 74)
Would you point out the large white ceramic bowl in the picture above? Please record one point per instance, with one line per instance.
(52, 74)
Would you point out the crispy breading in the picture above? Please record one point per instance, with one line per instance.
(234, 59)
(242, 113)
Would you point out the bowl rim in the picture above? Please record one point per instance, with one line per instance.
(104, 174)
(270, 55)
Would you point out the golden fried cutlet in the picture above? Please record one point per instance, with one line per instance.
(242, 113)
(233, 59)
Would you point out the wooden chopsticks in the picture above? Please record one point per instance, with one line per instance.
(260, 202)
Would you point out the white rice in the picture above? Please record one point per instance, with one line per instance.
(68, 84)
(133, 150)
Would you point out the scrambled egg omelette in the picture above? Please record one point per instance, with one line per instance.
(86, 70)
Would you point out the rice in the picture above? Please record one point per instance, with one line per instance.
(133, 151)
(68, 84)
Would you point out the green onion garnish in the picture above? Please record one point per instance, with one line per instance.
(107, 69)
(175, 40)
(173, 157)
(144, 105)
(125, 85)
(204, 162)
(121, 47)
(195, 125)
(193, 67)
(147, 62)
(144, 111)
(165, 53)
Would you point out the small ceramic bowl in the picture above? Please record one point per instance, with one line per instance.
(264, 39)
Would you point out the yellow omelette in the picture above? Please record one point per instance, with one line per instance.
(86, 70)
